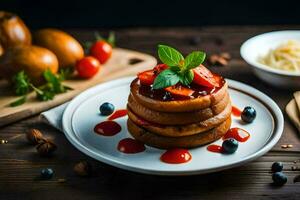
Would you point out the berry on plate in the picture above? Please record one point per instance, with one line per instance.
(230, 145)
(107, 108)
(248, 114)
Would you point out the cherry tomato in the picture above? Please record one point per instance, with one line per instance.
(148, 77)
(202, 76)
(87, 67)
(180, 90)
(101, 50)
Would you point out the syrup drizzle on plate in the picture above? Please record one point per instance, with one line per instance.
(129, 145)
(176, 156)
(237, 133)
(236, 111)
(107, 128)
(118, 114)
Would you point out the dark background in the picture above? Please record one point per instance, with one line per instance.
(128, 13)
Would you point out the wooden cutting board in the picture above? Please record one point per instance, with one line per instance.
(122, 63)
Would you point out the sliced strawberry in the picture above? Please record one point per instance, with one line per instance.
(179, 90)
(161, 67)
(218, 79)
(202, 76)
(147, 77)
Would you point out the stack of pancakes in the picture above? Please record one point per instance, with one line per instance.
(178, 123)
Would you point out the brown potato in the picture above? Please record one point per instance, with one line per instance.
(1, 50)
(65, 47)
(33, 60)
(13, 31)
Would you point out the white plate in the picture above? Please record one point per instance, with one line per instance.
(82, 114)
(260, 45)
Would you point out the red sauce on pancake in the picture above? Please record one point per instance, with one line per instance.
(129, 145)
(163, 95)
(117, 114)
(215, 148)
(176, 156)
(236, 111)
(107, 128)
(237, 133)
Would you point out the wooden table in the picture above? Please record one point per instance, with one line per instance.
(20, 165)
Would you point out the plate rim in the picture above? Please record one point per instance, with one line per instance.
(242, 87)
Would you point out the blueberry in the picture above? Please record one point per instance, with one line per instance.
(47, 173)
(277, 167)
(279, 178)
(248, 114)
(230, 145)
(107, 108)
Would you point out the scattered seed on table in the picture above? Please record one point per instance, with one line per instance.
(4, 141)
(284, 146)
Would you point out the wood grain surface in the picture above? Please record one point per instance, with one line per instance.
(122, 63)
(20, 165)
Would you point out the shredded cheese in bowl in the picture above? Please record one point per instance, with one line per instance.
(285, 57)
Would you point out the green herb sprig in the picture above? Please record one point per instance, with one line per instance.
(180, 68)
(21, 83)
(45, 92)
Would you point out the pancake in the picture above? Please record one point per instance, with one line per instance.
(162, 142)
(182, 130)
(178, 118)
(189, 105)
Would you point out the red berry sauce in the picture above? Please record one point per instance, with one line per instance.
(117, 114)
(236, 111)
(215, 148)
(237, 133)
(107, 128)
(176, 156)
(129, 145)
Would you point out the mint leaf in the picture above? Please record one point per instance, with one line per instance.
(175, 68)
(186, 77)
(165, 79)
(169, 55)
(194, 59)
(18, 102)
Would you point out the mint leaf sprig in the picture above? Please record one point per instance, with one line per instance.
(180, 68)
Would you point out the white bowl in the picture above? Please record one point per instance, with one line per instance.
(258, 46)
